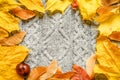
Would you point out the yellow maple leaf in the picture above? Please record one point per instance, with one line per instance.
(8, 22)
(88, 8)
(33, 5)
(109, 24)
(108, 57)
(9, 58)
(54, 6)
(6, 5)
(3, 33)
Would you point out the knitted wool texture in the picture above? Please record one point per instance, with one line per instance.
(65, 38)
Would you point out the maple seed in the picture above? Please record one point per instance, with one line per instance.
(23, 69)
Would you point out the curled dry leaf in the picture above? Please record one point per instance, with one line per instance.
(88, 8)
(23, 14)
(80, 73)
(37, 72)
(13, 40)
(108, 57)
(8, 22)
(54, 6)
(115, 36)
(7, 5)
(3, 33)
(35, 5)
(9, 58)
(51, 70)
(90, 63)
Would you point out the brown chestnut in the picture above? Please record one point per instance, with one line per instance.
(23, 69)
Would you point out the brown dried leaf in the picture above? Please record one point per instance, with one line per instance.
(115, 36)
(90, 63)
(51, 70)
(24, 14)
(37, 72)
(13, 40)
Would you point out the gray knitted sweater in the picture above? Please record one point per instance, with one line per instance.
(65, 38)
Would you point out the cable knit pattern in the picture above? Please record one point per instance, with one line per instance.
(64, 38)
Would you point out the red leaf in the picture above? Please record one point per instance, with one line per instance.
(80, 73)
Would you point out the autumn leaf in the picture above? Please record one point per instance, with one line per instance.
(8, 22)
(23, 14)
(103, 17)
(9, 58)
(102, 10)
(80, 73)
(62, 76)
(35, 5)
(90, 63)
(59, 71)
(51, 70)
(115, 36)
(88, 8)
(108, 57)
(3, 33)
(109, 2)
(110, 24)
(7, 5)
(104, 13)
(13, 40)
(37, 72)
(54, 6)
